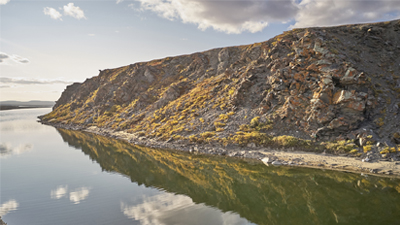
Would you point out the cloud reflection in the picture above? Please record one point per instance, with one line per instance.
(9, 206)
(7, 149)
(79, 195)
(167, 208)
(60, 192)
(75, 196)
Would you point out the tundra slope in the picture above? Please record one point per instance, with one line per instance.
(332, 89)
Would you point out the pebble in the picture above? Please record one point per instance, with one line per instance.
(276, 163)
(266, 160)
(233, 154)
(365, 160)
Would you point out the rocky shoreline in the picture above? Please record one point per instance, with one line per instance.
(367, 163)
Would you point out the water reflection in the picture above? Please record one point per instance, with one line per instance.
(79, 194)
(60, 192)
(169, 209)
(262, 195)
(7, 149)
(8, 206)
(75, 196)
(22, 120)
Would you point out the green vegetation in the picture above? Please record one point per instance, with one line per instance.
(340, 146)
(289, 141)
(367, 148)
(387, 150)
(354, 151)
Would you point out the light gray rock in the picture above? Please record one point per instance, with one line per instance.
(266, 160)
(276, 163)
(367, 159)
(223, 55)
(233, 154)
(149, 76)
(251, 145)
(318, 48)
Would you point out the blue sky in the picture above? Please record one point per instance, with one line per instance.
(46, 45)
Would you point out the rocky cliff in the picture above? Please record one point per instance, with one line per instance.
(332, 88)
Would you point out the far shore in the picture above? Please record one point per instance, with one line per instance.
(11, 107)
(268, 156)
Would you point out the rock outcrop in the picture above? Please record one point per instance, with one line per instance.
(305, 86)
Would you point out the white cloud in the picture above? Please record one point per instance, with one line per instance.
(91, 35)
(60, 192)
(53, 13)
(19, 59)
(16, 58)
(3, 2)
(225, 16)
(333, 12)
(119, 1)
(254, 15)
(167, 208)
(3, 57)
(74, 11)
(79, 195)
(9, 206)
(70, 10)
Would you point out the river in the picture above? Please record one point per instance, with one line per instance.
(57, 176)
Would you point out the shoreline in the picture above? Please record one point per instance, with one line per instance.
(268, 156)
(5, 108)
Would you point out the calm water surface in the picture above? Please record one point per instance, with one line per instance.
(51, 176)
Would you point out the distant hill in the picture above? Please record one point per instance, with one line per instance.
(7, 105)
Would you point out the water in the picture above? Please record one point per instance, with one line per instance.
(51, 176)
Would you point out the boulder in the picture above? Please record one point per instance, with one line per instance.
(276, 163)
(338, 123)
(343, 96)
(319, 49)
(149, 76)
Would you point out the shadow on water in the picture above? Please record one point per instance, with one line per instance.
(261, 194)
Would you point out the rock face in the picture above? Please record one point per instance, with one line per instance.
(328, 84)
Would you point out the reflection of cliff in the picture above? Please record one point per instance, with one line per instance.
(263, 195)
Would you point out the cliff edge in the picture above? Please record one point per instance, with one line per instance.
(334, 89)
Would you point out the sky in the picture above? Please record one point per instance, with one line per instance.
(47, 45)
